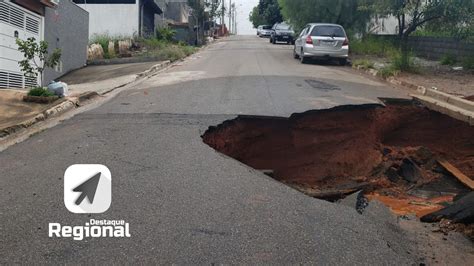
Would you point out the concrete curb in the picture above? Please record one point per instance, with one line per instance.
(125, 60)
(447, 104)
(73, 102)
(60, 108)
(442, 102)
(154, 69)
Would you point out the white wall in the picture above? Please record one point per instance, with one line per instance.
(113, 19)
(388, 25)
(27, 24)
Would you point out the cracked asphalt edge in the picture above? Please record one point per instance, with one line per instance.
(75, 105)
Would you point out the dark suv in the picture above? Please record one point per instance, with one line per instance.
(282, 32)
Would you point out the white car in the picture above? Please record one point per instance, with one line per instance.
(324, 41)
(264, 30)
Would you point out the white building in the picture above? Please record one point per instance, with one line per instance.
(121, 17)
(62, 24)
(384, 26)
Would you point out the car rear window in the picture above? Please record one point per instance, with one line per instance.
(283, 27)
(330, 31)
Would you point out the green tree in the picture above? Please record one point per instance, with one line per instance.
(343, 12)
(199, 15)
(460, 24)
(256, 18)
(413, 14)
(214, 8)
(267, 12)
(36, 58)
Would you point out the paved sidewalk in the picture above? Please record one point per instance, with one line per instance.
(14, 110)
(16, 114)
(431, 74)
(104, 78)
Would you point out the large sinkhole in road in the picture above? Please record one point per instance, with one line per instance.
(391, 150)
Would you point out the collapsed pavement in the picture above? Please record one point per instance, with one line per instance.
(401, 154)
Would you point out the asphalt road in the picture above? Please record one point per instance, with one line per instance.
(186, 203)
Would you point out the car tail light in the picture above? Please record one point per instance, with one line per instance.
(346, 42)
(309, 40)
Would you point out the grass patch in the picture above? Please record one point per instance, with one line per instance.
(155, 43)
(388, 71)
(396, 66)
(161, 46)
(448, 60)
(373, 46)
(168, 51)
(363, 64)
(40, 91)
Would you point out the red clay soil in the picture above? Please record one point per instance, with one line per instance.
(470, 98)
(347, 145)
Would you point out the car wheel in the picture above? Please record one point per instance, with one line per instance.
(343, 62)
(303, 58)
(274, 41)
(271, 41)
(295, 55)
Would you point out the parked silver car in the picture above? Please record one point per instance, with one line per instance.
(264, 30)
(318, 40)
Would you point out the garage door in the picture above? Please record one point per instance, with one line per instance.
(16, 22)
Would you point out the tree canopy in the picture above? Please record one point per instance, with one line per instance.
(343, 12)
(267, 12)
(456, 15)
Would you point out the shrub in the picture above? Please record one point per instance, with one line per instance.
(448, 60)
(165, 34)
(40, 91)
(397, 63)
(468, 63)
(36, 57)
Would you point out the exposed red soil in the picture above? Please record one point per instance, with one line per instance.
(470, 98)
(346, 146)
(408, 204)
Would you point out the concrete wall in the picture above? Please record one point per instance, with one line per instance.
(178, 11)
(435, 47)
(67, 28)
(113, 19)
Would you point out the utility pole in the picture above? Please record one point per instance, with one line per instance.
(234, 18)
(230, 16)
(223, 17)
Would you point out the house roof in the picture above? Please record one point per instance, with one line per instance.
(36, 6)
(48, 3)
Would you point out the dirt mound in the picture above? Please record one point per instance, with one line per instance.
(329, 153)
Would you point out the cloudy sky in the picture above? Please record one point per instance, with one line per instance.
(244, 27)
